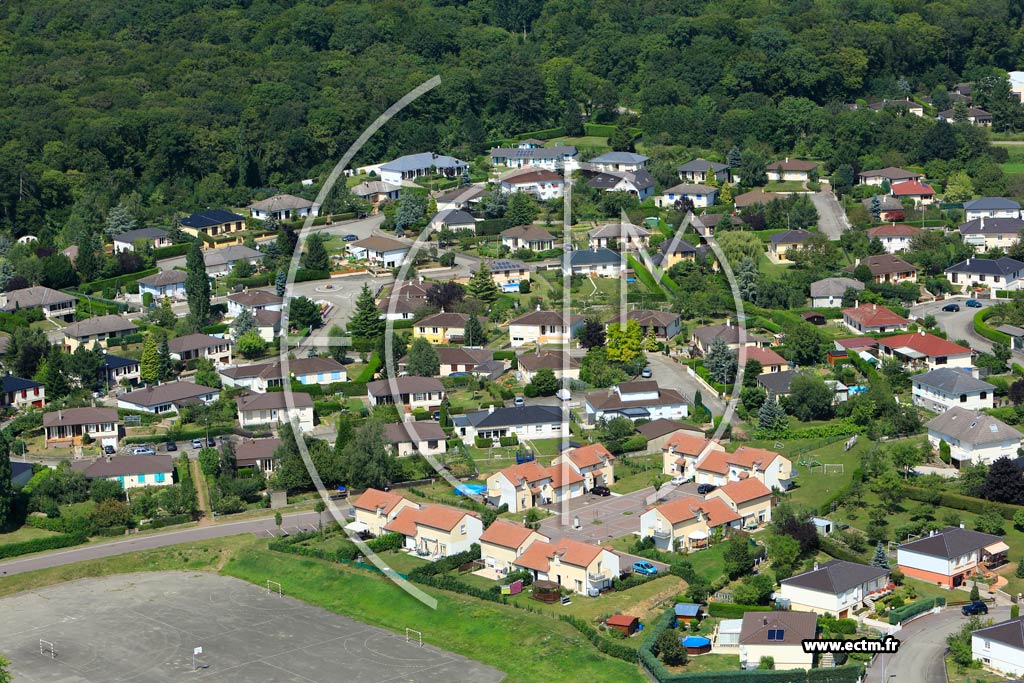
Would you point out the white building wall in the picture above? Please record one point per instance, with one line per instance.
(999, 656)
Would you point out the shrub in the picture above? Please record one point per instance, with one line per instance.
(608, 647)
(508, 441)
(389, 541)
(901, 614)
(40, 544)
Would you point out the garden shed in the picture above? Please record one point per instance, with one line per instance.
(625, 623)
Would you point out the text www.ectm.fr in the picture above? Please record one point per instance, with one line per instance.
(885, 645)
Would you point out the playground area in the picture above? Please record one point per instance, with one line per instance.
(176, 626)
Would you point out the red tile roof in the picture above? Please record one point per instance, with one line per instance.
(689, 444)
(926, 343)
(895, 230)
(439, 517)
(528, 472)
(373, 499)
(593, 455)
(507, 534)
(745, 490)
(873, 315)
(538, 555)
(765, 357)
(910, 188)
(563, 475)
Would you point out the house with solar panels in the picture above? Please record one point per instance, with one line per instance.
(212, 223)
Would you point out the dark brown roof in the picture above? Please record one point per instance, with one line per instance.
(795, 627)
(404, 385)
(444, 320)
(545, 318)
(164, 278)
(274, 400)
(408, 432)
(792, 165)
(951, 543)
(104, 324)
(167, 393)
(659, 318)
(124, 466)
(80, 416)
(256, 297)
(248, 452)
(882, 264)
(836, 577)
(553, 360)
(609, 400)
(663, 426)
(192, 342)
(528, 233)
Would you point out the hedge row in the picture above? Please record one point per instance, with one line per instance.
(100, 285)
(172, 251)
(40, 544)
(370, 370)
(181, 434)
(605, 645)
(837, 551)
(259, 280)
(645, 277)
(912, 609)
(729, 610)
(959, 501)
(170, 520)
(347, 552)
(632, 581)
(986, 330)
(61, 525)
(306, 275)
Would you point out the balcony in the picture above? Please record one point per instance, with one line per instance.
(658, 533)
(596, 577)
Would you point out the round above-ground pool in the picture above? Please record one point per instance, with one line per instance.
(696, 645)
(471, 489)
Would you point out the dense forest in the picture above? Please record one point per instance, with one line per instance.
(175, 105)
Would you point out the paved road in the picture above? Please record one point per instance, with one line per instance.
(958, 325)
(831, 217)
(922, 647)
(263, 526)
(672, 374)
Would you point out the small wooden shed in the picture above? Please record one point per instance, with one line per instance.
(625, 623)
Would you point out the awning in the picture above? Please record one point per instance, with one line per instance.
(909, 352)
(996, 548)
(865, 356)
(357, 527)
(698, 535)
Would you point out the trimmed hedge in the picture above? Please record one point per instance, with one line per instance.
(605, 645)
(644, 276)
(986, 330)
(959, 501)
(172, 251)
(729, 610)
(388, 541)
(370, 370)
(77, 526)
(912, 609)
(170, 520)
(306, 275)
(632, 581)
(40, 544)
(292, 544)
(121, 280)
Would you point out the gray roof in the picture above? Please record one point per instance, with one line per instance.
(515, 416)
(404, 385)
(640, 179)
(777, 382)
(248, 452)
(885, 203)
(79, 416)
(194, 342)
(528, 233)
(167, 393)
(1009, 633)
(591, 257)
(33, 297)
(619, 158)
(991, 204)
(617, 230)
(836, 577)
(273, 400)
(373, 187)
(1004, 265)
(406, 432)
(104, 324)
(701, 165)
(164, 278)
(890, 173)
(952, 381)
(124, 466)
(1011, 330)
(413, 162)
(730, 334)
(795, 627)
(690, 188)
(992, 226)
(834, 286)
(558, 152)
(141, 234)
(951, 543)
(453, 217)
(226, 255)
(790, 237)
(281, 202)
(972, 427)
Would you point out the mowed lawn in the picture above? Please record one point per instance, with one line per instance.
(1015, 164)
(25, 533)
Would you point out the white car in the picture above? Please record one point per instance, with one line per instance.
(679, 480)
(197, 443)
(143, 450)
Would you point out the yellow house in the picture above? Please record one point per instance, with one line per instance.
(503, 542)
(442, 328)
(682, 451)
(375, 509)
(778, 635)
(749, 498)
(528, 485)
(215, 223)
(102, 329)
(686, 524)
(594, 463)
(436, 531)
(580, 567)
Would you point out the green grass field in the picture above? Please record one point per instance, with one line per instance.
(785, 186)
(582, 141)
(25, 533)
(1015, 164)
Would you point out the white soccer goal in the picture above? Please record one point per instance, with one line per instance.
(274, 587)
(413, 636)
(834, 468)
(47, 648)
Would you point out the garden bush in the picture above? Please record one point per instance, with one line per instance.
(608, 647)
(40, 544)
(901, 614)
(729, 610)
(959, 501)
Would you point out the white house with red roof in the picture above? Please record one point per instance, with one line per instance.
(540, 183)
(920, 192)
(680, 454)
(873, 319)
(594, 463)
(375, 509)
(687, 523)
(895, 237)
(770, 360)
(437, 531)
(579, 567)
(502, 542)
(749, 498)
(528, 485)
(721, 467)
(926, 351)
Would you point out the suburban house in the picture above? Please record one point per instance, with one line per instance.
(925, 350)
(130, 471)
(837, 587)
(661, 431)
(733, 336)
(886, 268)
(698, 170)
(594, 463)
(436, 531)
(268, 324)
(755, 197)
(895, 236)
(254, 300)
(67, 427)
(527, 237)
(277, 407)
(117, 369)
(975, 116)
(778, 635)
(620, 236)
(640, 183)
(261, 377)
(749, 498)
(920, 192)
(212, 223)
(683, 450)
(442, 328)
(1001, 647)
(889, 173)
(102, 329)
(258, 454)
(192, 346)
(943, 388)
(672, 251)
(412, 392)
(413, 166)
(1003, 273)
(985, 234)
(167, 398)
(687, 524)
(503, 542)
(781, 243)
(707, 223)
(618, 161)
(776, 383)
(770, 360)
(543, 327)
(563, 365)
(539, 183)
(220, 262)
(796, 170)
(699, 196)
(973, 436)
(873, 319)
(719, 467)
(145, 237)
(527, 154)
(416, 436)
(283, 207)
(54, 304)
(663, 325)
(377, 192)
(991, 207)
(166, 284)
(525, 422)
(379, 251)
(507, 273)
(462, 360)
(948, 558)
(375, 509)
(906, 104)
(595, 262)
(637, 400)
(579, 567)
(452, 220)
(888, 207)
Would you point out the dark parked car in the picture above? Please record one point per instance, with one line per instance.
(210, 442)
(972, 608)
(951, 308)
(705, 488)
(601, 491)
(973, 303)
(109, 450)
(171, 446)
(350, 238)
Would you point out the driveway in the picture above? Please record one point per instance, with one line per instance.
(672, 374)
(958, 325)
(922, 648)
(831, 217)
(605, 517)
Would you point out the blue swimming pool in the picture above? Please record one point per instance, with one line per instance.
(471, 489)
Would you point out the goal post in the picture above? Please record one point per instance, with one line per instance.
(834, 468)
(414, 636)
(274, 587)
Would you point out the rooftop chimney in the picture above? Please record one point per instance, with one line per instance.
(961, 525)
(815, 565)
(490, 409)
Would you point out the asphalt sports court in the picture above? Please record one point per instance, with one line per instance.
(143, 628)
